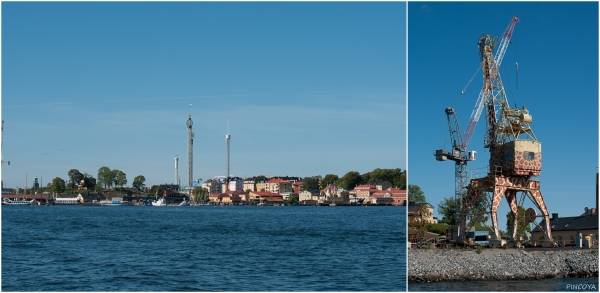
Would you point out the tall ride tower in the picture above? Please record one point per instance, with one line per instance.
(227, 138)
(189, 124)
(177, 170)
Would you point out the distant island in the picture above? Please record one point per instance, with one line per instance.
(378, 187)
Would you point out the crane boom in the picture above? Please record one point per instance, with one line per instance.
(480, 100)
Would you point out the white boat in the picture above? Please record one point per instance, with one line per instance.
(113, 203)
(19, 202)
(160, 203)
(184, 203)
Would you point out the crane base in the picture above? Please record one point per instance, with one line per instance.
(497, 243)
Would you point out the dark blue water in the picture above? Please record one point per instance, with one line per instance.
(81, 248)
(546, 285)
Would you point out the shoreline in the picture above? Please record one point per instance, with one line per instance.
(444, 265)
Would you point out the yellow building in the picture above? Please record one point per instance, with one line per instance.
(565, 230)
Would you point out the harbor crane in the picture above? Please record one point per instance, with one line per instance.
(515, 153)
(460, 142)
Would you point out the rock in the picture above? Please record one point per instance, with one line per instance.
(498, 264)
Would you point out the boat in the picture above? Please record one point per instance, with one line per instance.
(184, 203)
(19, 202)
(113, 203)
(160, 203)
(322, 204)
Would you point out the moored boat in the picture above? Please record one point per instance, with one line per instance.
(113, 203)
(19, 202)
(160, 203)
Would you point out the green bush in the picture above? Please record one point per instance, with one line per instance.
(437, 228)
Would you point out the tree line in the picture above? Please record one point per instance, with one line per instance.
(106, 179)
(350, 180)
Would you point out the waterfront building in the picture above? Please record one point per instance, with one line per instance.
(278, 185)
(67, 199)
(265, 197)
(212, 185)
(169, 186)
(336, 194)
(296, 187)
(249, 184)
(243, 195)
(381, 185)
(309, 197)
(394, 196)
(261, 185)
(362, 192)
(414, 213)
(90, 197)
(290, 179)
(225, 198)
(565, 230)
(235, 183)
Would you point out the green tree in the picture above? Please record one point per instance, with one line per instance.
(447, 209)
(522, 225)
(309, 183)
(293, 198)
(75, 178)
(138, 182)
(58, 185)
(438, 228)
(200, 195)
(366, 177)
(88, 181)
(329, 179)
(105, 177)
(155, 191)
(396, 176)
(119, 178)
(479, 214)
(350, 180)
(415, 194)
(400, 180)
(420, 221)
(259, 178)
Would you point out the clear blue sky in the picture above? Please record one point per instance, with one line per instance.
(307, 88)
(556, 46)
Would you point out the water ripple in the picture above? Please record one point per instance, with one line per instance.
(203, 249)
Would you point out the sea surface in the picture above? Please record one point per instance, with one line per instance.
(546, 285)
(232, 248)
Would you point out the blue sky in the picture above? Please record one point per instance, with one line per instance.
(556, 47)
(307, 88)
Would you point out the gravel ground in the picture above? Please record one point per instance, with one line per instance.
(437, 265)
